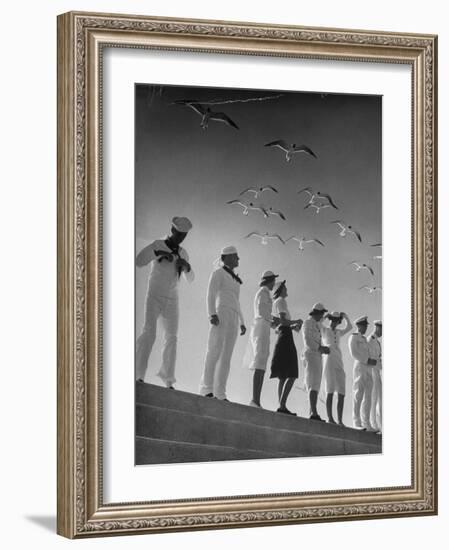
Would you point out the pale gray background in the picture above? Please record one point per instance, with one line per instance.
(184, 170)
(28, 319)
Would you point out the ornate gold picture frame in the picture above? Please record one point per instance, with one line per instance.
(82, 40)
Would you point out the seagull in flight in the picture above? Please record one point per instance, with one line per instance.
(360, 267)
(290, 149)
(302, 241)
(248, 207)
(273, 212)
(345, 229)
(318, 200)
(371, 289)
(264, 237)
(207, 114)
(259, 190)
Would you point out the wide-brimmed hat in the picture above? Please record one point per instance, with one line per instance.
(267, 275)
(362, 320)
(184, 225)
(334, 315)
(318, 308)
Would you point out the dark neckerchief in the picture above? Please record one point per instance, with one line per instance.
(233, 275)
(173, 247)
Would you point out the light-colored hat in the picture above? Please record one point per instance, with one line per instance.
(334, 315)
(228, 250)
(362, 320)
(184, 225)
(268, 275)
(318, 308)
(378, 323)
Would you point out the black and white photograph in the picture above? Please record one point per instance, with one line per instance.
(258, 297)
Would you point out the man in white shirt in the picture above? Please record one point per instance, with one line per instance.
(376, 396)
(312, 356)
(168, 261)
(362, 379)
(225, 316)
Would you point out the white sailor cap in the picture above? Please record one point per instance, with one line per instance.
(378, 323)
(184, 225)
(268, 275)
(228, 250)
(362, 320)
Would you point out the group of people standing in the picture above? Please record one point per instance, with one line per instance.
(322, 356)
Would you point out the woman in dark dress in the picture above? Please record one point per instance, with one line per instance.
(284, 364)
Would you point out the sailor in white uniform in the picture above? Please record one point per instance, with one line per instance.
(259, 340)
(362, 379)
(168, 261)
(376, 397)
(225, 316)
(333, 372)
(312, 356)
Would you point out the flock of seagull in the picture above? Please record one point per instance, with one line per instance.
(316, 200)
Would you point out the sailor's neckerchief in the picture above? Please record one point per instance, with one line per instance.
(174, 250)
(233, 275)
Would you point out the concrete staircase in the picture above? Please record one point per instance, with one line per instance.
(175, 426)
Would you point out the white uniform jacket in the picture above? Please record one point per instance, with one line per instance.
(311, 333)
(375, 350)
(223, 291)
(359, 348)
(163, 277)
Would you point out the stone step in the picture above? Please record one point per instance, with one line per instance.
(157, 396)
(185, 427)
(161, 451)
(175, 426)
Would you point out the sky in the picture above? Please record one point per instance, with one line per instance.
(183, 170)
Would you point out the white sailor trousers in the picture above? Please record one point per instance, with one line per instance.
(167, 310)
(222, 338)
(362, 390)
(376, 399)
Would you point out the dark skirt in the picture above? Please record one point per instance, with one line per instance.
(284, 363)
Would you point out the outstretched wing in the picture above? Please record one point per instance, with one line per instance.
(197, 107)
(304, 149)
(292, 238)
(329, 198)
(318, 241)
(235, 201)
(357, 234)
(377, 244)
(370, 269)
(223, 117)
(276, 236)
(253, 234)
(365, 287)
(278, 213)
(307, 190)
(282, 144)
(269, 188)
(249, 190)
(340, 223)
